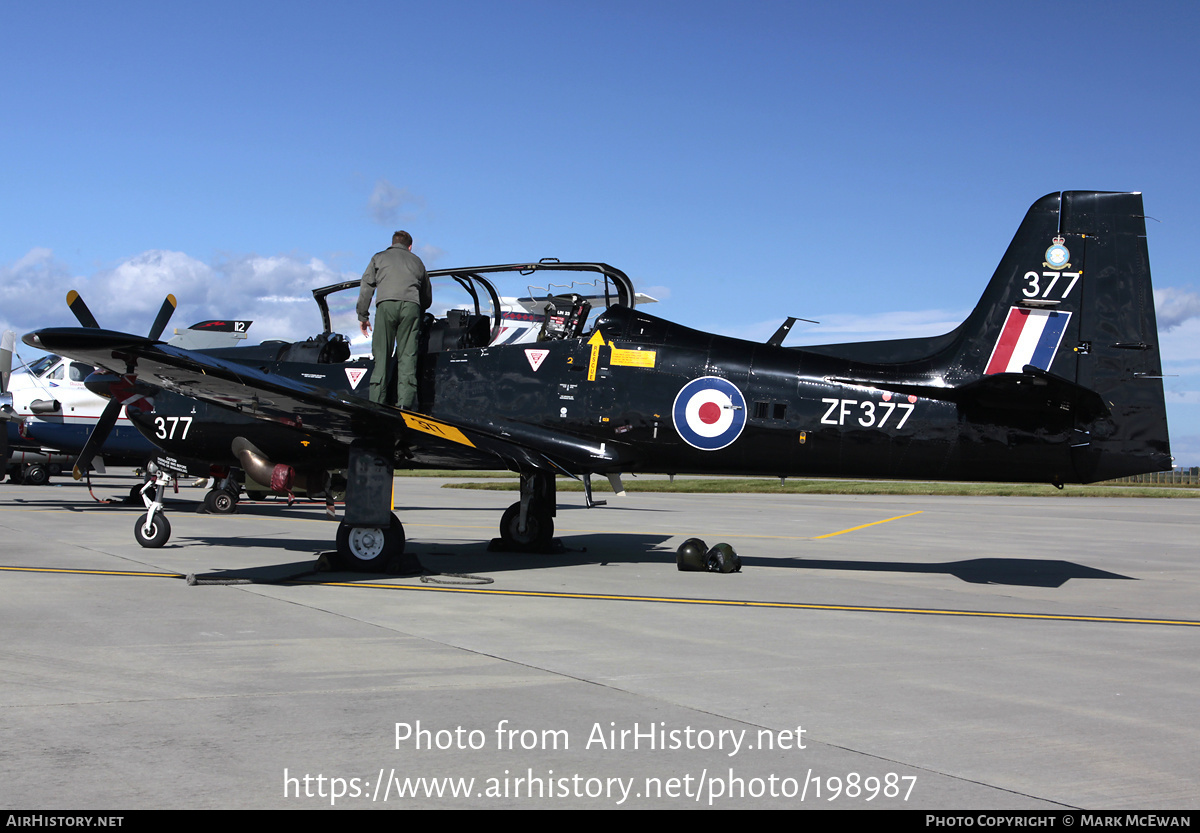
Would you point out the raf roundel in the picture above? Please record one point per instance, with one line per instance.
(709, 413)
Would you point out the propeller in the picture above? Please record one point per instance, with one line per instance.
(120, 390)
(7, 341)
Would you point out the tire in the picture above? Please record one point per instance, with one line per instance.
(160, 531)
(539, 527)
(369, 548)
(220, 502)
(36, 475)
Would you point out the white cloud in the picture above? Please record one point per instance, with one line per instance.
(1181, 344)
(387, 204)
(274, 291)
(1175, 306)
(429, 254)
(33, 292)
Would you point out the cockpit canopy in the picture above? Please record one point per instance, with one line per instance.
(558, 310)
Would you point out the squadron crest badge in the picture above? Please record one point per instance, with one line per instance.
(1057, 256)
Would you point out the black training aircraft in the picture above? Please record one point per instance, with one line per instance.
(1054, 377)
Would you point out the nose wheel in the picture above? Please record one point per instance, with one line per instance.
(152, 532)
(152, 529)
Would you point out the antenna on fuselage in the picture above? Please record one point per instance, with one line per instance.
(785, 328)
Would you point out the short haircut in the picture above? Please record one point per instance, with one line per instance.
(403, 238)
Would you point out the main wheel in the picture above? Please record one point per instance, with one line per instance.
(539, 527)
(368, 548)
(36, 475)
(220, 501)
(160, 531)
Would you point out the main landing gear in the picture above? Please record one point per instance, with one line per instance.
(528, 525)
(220, 501)
(222, 498)
(36, 474)
(370, 548)
(371, 538)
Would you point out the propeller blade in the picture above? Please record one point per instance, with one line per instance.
(164, 315)
(7, 342)
(75, 302)
(108, 418)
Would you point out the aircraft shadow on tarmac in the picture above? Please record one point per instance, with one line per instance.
(444, 558)
(602, 549)
(588, 549)
(1020, 572)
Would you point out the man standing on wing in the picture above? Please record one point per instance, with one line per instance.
(403, 294)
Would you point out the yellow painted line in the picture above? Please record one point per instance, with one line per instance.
(916, 611)
(90, 572)
(864, 526)
(777, 605)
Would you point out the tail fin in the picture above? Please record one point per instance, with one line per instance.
(1071, 303)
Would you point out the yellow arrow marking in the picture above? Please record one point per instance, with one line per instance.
(596, 341)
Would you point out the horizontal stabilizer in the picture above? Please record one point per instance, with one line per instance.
(1031, 389)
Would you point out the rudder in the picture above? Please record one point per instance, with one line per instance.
(1118, 354)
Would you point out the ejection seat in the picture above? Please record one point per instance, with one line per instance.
(459, 330)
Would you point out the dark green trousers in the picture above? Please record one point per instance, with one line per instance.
(398, 327)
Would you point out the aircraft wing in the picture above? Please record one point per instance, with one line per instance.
(256, 391)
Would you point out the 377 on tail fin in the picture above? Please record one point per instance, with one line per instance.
(1067, 324)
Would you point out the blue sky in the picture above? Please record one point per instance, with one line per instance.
(742, 161)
